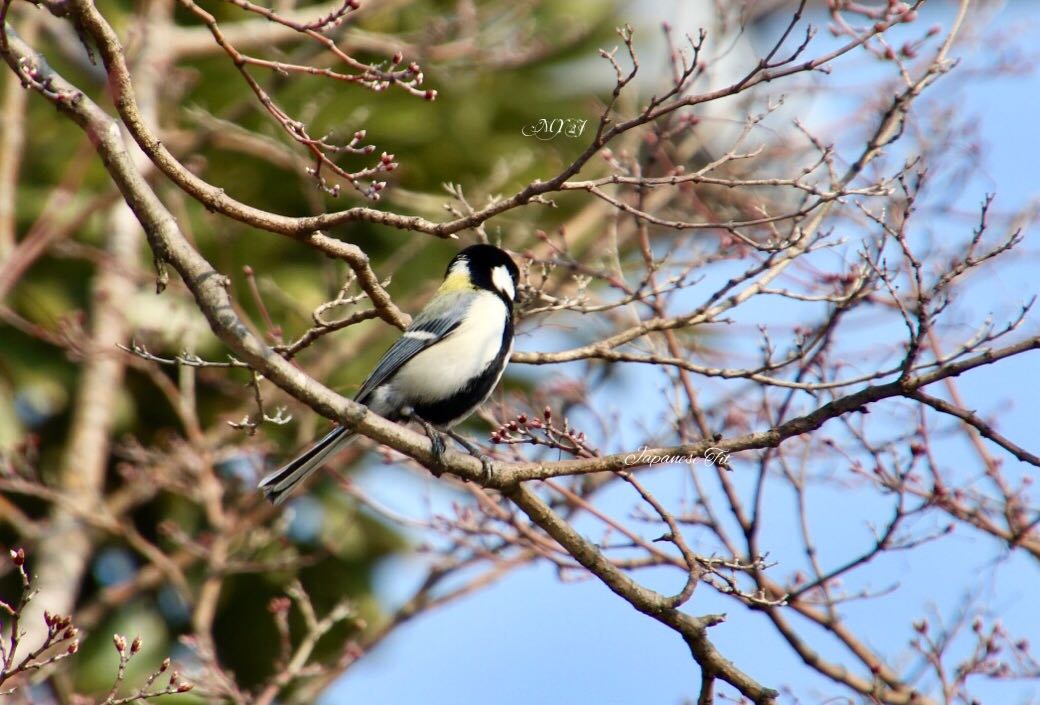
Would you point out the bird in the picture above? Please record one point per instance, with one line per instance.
(441, 369)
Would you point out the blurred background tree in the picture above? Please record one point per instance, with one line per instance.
(75, 283)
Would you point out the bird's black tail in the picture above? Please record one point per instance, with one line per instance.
(280, 483)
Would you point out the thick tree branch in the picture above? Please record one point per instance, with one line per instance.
(655, 605)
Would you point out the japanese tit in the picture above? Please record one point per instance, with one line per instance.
(444, 365)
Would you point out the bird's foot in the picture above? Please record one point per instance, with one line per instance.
(436, 445)
(487, 470)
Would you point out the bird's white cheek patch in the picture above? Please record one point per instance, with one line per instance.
(503, 281)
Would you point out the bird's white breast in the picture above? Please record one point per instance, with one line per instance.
(443, 369)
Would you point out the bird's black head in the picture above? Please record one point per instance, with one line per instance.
(485, 267)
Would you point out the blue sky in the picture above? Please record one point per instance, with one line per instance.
(532, 640)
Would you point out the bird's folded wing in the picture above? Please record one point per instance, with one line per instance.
(423, 333)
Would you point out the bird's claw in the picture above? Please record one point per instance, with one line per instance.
(487, 470)
(437, 447)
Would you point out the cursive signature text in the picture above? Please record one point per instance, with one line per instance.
(548, 129)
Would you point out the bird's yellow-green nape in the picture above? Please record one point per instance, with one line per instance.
(458, 278)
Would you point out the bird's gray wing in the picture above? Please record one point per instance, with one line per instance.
(427, 329)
